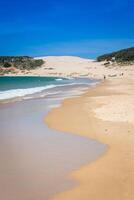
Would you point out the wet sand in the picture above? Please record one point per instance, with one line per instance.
(35, 161)
(96, 115)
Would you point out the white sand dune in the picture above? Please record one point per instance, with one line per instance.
(76, 66)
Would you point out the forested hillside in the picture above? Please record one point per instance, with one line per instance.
(124, 55)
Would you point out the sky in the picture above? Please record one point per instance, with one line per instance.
(85, 28)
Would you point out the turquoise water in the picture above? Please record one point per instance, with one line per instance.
(13, 87)
(23, 82)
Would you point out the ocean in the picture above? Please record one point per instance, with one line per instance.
(26, 87)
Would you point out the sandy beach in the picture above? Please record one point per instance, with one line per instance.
(67, 100)
(104, 113)
(33, 156)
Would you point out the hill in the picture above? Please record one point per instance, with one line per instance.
(124, 55)
(10, 63)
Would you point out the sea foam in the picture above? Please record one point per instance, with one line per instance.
(9, 94)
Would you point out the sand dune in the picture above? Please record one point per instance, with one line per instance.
(76, 66)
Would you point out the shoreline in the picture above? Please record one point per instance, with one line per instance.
(104, 113)
(42, 158)
(108, 177)
(13, 93)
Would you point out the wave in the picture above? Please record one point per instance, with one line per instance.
(59, 79)
(14, 93)
(9, 94)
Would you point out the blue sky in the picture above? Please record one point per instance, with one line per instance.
(65, 27)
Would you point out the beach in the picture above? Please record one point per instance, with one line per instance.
(67, 100)
(33, 156)
(104, 113)
(92, 126)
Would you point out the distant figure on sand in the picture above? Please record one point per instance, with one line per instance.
(104, 77)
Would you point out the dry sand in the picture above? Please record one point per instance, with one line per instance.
(75, 67)
(104, 113)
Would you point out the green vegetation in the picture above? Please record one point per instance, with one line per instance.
(20, 62)
(6, 64)
(124, 55)
(6, 71)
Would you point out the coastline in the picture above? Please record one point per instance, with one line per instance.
(42, 158)
(15, 88)
(105, 114)
(111, 176)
